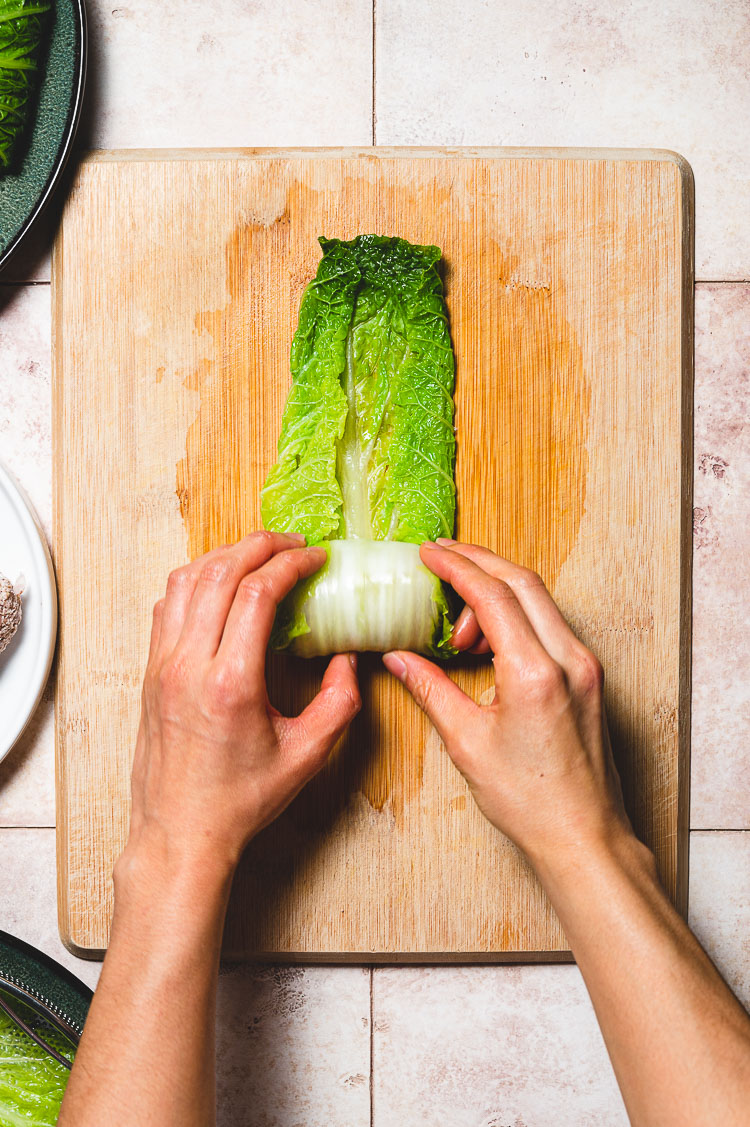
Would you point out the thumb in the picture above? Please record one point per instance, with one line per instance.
(448, 708)
(316, 729)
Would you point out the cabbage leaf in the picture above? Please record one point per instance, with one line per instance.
(32, 1083)
(367, 445)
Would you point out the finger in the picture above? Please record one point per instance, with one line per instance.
(467, 635)
(541, 609)
(180, 587)
(450, 710)
(466, 632)
(250, 619)
(155, 630)
(501, 617)
(217, 582)
(314, 732)
(470, 639)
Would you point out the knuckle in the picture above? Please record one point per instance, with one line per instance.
(177, 579)
(589, 674)
(525, 577)
(352, 701)
(542, 681)
(503, 590)
(217, 571)
(173, 675)
(261, 539)
(498, 596)
(225, 686)
(422, 690)
(253, 589)
(263, 536)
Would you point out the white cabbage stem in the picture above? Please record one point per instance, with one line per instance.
(371, 595)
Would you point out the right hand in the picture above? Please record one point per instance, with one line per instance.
(538, 757)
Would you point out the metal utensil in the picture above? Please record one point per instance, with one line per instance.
(32, 1033)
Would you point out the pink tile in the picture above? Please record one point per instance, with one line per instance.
(294, 1047)
(721, 575)
(25, 422)
(720, 903)
(489, 1047)
(29, 897)
(228, 74)
(27, 774)
(579, 72)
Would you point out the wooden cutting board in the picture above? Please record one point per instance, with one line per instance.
(177, 280)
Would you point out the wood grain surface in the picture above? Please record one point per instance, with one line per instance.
(177, 279)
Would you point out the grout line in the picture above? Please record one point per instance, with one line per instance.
(26, 828)
(374, 115)
(722, 281)
(372, 1051)
(23, 283)
(719, 830)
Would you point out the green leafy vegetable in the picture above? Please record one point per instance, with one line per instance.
(32, 1083)
(367, 446)
(23, 25)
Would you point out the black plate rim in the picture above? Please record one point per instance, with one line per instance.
(71, 125)
(56, 970)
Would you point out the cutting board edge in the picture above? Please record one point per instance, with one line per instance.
(684, 702)
(61, 811)
(364, 958)
(512, 152)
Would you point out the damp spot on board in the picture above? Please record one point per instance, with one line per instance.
(522, 407)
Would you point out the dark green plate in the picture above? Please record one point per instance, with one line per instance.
(44, 147)
(40, 982)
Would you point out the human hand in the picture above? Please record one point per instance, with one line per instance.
(538, 757)
(214, 761)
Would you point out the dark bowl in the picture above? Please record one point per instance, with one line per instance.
(48, 988)
(44, 149)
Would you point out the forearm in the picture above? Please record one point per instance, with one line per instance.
(678, 1039)
(147, 1053)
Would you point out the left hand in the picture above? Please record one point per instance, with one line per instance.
(215, 762)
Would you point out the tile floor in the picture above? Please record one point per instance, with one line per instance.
(467, 1046)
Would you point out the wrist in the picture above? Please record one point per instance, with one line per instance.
(613, 849)
(156, 867)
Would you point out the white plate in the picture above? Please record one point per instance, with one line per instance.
(26, 661)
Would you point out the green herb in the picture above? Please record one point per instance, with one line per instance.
(23, 25)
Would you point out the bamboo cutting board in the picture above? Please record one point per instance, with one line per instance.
(177, 280)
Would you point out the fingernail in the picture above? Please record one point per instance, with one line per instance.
(296, 536)
(395, 665)
(353, 661)
(445, 540)
(430, 544)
